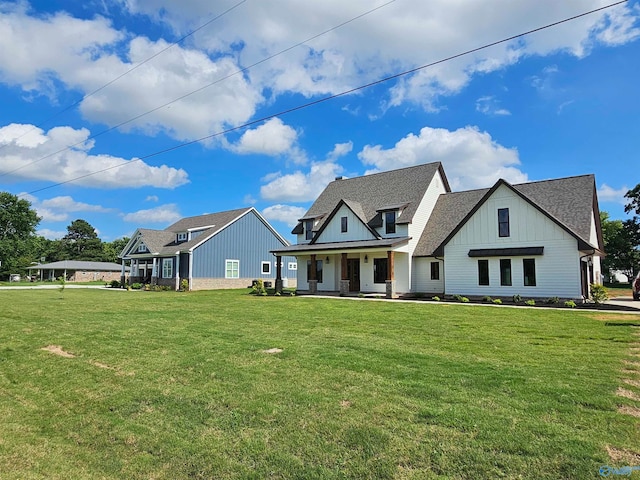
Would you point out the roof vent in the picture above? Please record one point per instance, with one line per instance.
(339, 178)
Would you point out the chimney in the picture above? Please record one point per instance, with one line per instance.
(339, 178)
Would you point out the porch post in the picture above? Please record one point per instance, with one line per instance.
(313, 274)
(177, 271)
(154, 272)
(391, 279)
(344, 279)
(123, 277)
(278, 274)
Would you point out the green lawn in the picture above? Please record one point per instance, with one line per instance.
(173, 385)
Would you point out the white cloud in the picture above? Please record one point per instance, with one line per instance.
(151, 198)
(610, 194)
(299, 186)
(489, 105)
(284, 213)
(340, 150)
(39, 155)
(471, 159)
(271, 138)
(57, 209)
(51, 234)
(162, 214)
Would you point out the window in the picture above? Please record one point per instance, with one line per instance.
(390, 222)
(167, 267)
(308, 229)
(503, 222)
(266, 268)
(529, 269)
(435, 270)
(142, 248)
(182, 237)
(292, 266)
(318, 270)
(343, 224)
(232, 269)
(505, 272)
(379, 270)
(483, 272)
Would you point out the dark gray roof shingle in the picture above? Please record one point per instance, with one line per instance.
(405, 186)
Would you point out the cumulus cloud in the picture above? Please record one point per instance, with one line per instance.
(29, 152)
(168, 213)
(271, 138)
(489, 105)
(284, 213)
(340, 150)
(613, 195)
(300, 186)
(471, 159)
(57, 209)
(51, 234)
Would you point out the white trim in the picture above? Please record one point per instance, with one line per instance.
(268, 264)
(292, 265)
(229, 262)
(165, 262)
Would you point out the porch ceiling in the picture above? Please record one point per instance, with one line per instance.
(356, 245)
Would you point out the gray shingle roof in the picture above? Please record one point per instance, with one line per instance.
(79, 265)
(219, 219)
(569, 201)
(378, 243)
(372, 192)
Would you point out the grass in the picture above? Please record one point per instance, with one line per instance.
(169, 386)
(618, 289)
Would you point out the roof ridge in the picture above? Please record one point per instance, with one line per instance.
(554, 179)
(387, 171)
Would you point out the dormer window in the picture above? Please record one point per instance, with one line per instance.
(182, 237)
(308, 229)
(390, 222)
(142, 248)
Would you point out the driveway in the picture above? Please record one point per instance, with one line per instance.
(627, 302)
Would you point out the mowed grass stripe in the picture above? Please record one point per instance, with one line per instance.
(169, 385)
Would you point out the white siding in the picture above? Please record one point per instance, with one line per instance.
(557, 271)
(356, 230)
(422, 276)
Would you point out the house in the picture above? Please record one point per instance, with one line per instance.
(78, 271)
(220, 250)
(404, 232)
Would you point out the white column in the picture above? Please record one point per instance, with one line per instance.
(177, 271)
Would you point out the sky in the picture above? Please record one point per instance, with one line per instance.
(136, 113)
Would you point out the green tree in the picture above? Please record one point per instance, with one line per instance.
(632, 226)
(113, 249)
(18, 222)
(82, 243)
(618, 245)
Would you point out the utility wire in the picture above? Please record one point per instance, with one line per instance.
(331, 97)
(242, 70)
(112, 81)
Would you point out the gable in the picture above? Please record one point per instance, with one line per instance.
(332, 229)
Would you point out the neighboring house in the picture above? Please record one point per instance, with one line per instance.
(220, 250)
(78, 271)
(404, 231)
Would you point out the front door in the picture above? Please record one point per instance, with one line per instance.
(353, 274)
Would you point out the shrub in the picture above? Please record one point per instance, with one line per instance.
(435, 298)
(136, 286)
(115, 284)
(570, 304)
(464, 300)
(277, 294)
(497, 301)
(457, 298)
(184, 285)
(599, 293)
(553, 301)
(531, 302)
(487, 298)
(258, 287)
(517, 298)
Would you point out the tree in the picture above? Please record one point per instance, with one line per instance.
(619, 245)
(113, 249)
(18, 222)
(81, 242)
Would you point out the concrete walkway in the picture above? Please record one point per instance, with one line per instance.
(56, 286)
(628, 302)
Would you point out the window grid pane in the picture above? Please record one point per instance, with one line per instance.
(390, 222)
(483, 272)
(529, 269)
(503, 222)
(435, 271)
(505, 272)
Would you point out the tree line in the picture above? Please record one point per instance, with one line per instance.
(21, 247)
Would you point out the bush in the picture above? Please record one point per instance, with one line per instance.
(497, 301)
(487, 298)
(435, 298)
(258, 287)
(553, 301)
(599, 293)
(136, 286)
(531, 302)
(115, 284)
(184, 285)
(570, 304)
(460, 298)
(517, 298)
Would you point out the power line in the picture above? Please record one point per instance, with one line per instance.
(242, 70)
(334, 96)
(112, 81)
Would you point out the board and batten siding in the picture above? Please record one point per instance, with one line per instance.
(422, 276)
(557, 270)
(248, 240)
(356, 230)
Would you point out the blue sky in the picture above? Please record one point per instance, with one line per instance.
(561, 102)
